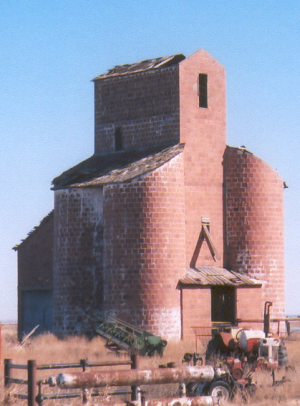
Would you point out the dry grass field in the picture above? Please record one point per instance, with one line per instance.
(47, 349)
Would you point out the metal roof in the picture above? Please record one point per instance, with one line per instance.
(214, 276)
(161, 62)
(116, 167)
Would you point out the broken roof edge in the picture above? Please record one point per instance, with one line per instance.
(43, 221)
(115, 176)
(94, 168)
(143, 66)
(241, 148)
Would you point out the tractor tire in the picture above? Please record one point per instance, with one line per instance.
(220, 391)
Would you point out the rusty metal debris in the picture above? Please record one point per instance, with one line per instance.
(123, 336)
(240, 352)
(28, 335)
(196, 401)
(135, 377)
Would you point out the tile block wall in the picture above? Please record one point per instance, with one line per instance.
(255, 223)
(204, 132)
(196, 311)
(144, 249)
(78, 259)
(249, 306)
(145, 105)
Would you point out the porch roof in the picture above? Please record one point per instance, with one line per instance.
(215, 276)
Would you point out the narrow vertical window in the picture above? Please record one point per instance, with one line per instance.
(118, 139)
(203, 90)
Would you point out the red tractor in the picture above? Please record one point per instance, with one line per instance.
(238, 358)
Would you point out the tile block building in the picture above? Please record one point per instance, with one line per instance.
(164, 227)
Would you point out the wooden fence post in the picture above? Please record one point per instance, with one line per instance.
(32, 382)
(85, 392)
(7, 371)
(83, 363)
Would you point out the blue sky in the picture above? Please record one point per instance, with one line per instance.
(50, 51)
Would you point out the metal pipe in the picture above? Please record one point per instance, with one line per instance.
(19, 381)
(135, 377)
(135, 390)
(79, 365)
(17, 366)
(194, 401)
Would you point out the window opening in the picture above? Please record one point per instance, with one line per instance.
(118, 139)
(203, 90)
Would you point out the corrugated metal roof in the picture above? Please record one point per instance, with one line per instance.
(214, 276)
(161, 62)
(115, 167)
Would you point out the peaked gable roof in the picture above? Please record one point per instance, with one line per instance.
(115, 167)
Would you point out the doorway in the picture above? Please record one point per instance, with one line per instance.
(223, 304)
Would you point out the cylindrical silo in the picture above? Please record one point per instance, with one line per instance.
(254, 222)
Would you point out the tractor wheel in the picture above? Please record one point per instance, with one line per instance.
(220, 391)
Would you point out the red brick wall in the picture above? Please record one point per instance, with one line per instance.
(145, 105)
(249, 306)
(255, 224)
(78, 256)
(196, 311)
(204, 132)
(144, 249)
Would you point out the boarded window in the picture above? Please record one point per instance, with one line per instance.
(118, 139)
(203, 90)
